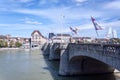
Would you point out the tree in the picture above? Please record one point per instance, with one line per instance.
(3, 43)
(17, 44)
(11, 43)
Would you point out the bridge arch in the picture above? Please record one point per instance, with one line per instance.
(88, 65)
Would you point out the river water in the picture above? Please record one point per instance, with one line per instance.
(32, 65)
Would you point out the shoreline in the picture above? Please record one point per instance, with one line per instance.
(10, 49)
(18, 48)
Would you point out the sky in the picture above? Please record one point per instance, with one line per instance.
(20, 18)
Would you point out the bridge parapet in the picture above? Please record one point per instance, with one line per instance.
(84, 48)
(112, 50)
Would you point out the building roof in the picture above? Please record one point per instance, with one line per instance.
(63, 35)
(3, 37)
(37, 32)
(51, 35)
(102, 39)
(56, 38)
(77, 38)
(81, 37)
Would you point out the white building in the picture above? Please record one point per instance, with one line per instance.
(37, 38)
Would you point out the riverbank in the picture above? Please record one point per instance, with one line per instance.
(10, 49)
(35, 48)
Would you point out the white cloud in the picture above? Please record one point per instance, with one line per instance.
(24, 29)
(112, 24)
(84, 29)
(22, 1)
(80, 1)
(42, 2)
(59, 23)
(55, 1)
(30, 21)
(113, 5)
(33, 22)
(70, 14)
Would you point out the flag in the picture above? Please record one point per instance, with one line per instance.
(74, 30)
(97, 27)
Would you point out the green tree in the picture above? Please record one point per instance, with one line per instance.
(6, 44)
(3, 43)
(18, 44)
(11, 43)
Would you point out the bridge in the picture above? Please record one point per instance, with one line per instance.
(77, 59)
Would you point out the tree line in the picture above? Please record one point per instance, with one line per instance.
(11, 44)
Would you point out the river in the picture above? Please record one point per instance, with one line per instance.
(33, 65)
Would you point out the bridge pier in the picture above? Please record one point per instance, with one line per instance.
(46, 48)
(64, 60)
(55, 52)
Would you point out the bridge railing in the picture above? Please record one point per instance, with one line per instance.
(112, 50)
(89, 47)
(95, 48)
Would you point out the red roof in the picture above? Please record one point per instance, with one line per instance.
(37, 32)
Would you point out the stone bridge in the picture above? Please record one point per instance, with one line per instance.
(77, 59)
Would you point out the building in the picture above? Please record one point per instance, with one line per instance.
(61, 38)
(2, 37)
(76, 39)
(26, 42)
(51, 35)
(81, 40)
(37, 38)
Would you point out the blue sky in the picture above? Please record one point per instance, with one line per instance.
(21, 17)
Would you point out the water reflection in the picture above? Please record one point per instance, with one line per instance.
(32, 65)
